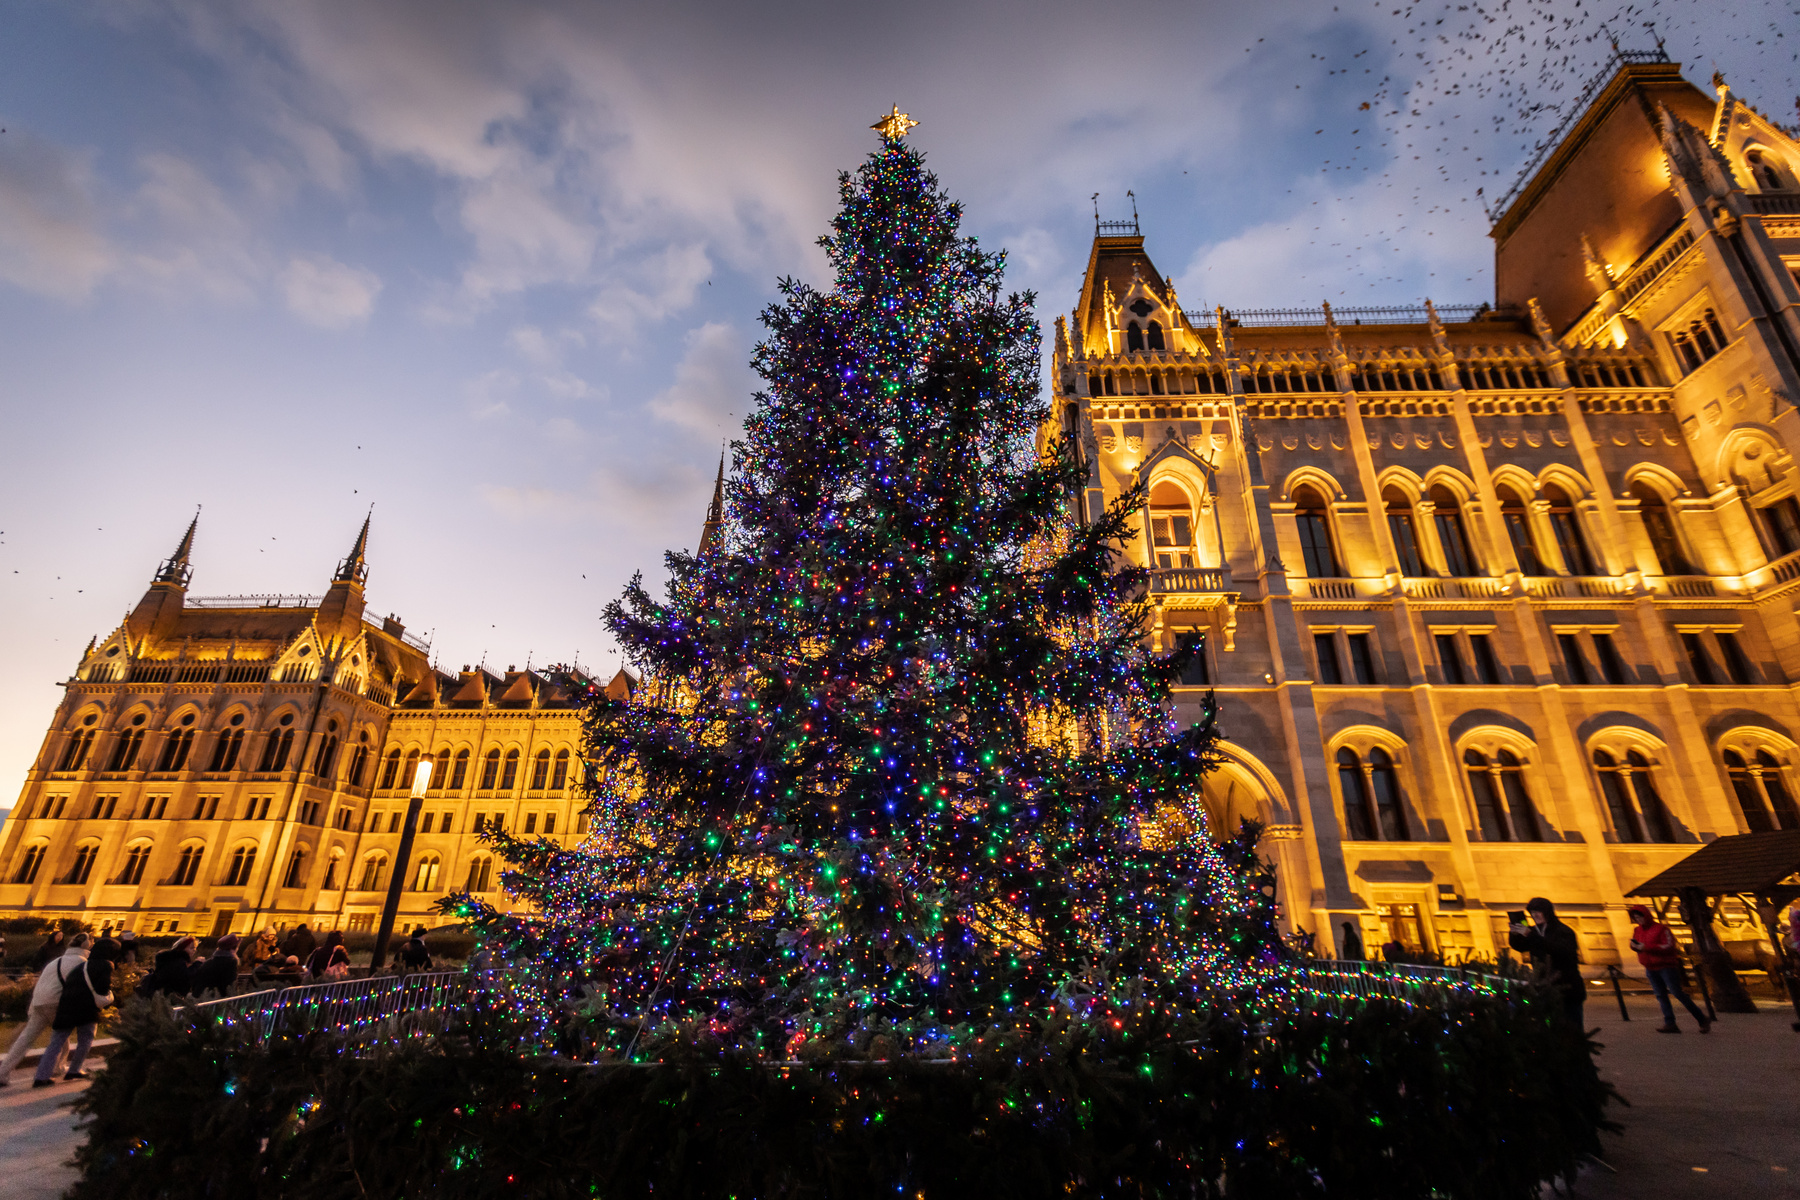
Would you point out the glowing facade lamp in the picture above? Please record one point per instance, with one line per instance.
(402, 859)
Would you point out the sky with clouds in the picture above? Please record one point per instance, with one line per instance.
(495, 269)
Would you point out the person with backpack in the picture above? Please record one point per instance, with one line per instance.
(1660, 957)
(86, 989)
(170, 970)
(46, 996)
(330, 961)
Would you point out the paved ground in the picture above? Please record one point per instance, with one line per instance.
(1715, 1116)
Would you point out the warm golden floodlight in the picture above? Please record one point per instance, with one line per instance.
(422, 779)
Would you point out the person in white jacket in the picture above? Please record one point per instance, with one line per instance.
(44, 999)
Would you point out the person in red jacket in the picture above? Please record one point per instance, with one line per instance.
(1657, 951)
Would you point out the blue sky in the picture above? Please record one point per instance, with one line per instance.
(495, 269)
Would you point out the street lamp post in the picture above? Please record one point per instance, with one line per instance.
(421, 780)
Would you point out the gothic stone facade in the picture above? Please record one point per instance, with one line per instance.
(228, 764)
(1498, 602)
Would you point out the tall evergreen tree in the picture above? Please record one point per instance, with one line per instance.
(903, 759)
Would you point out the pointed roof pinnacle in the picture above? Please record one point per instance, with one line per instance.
(715, 512)
(179, 567)
(355, 568)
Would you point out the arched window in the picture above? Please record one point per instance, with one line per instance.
(559, 778)
(1384, 785)
(459, 772)
(1503, 807)
(412, 769)
(29, 863)
(480, 872)
(1404, 532)
(1155, 339)
(1765, 173)
(425, 879)
(390, 770)
(75, 756)
(176, 750)
(1699, 340)
(1171, 526)
(1632, 801)
(331, 871)
(1315, 534)
(1665, 542)
(1565, 523)
(243, 861)
(490, 770)
(509, 778)
(440, 771)
(359, 758)
(1762, 792)
(1453, 536)
(540, 771)
(1134, 338)
(373, 867)
(187, 866)
(276, 750)
(326, 756)
(136, 859)
(226, 751)
(1518, 531)
(83, 865)
(1359, 821)
(125, 752)
(296, 872)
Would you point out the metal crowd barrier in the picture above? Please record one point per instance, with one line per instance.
(1333, 984)
(401, 1005)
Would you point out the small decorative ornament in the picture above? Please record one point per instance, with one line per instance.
(894, 125)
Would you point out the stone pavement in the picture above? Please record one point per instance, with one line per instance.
(1715, 1116)
(37, 1136)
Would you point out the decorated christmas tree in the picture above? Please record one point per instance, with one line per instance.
(903, 767)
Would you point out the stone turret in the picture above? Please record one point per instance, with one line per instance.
(157, 614)
(340, 612)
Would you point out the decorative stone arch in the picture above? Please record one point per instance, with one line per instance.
(1654, 475)
(1315, 477)
(1754, 458)
(27, 866)
(1241, 785)
(1517, 479)
(1459, 484)
(1409, 483)
(1359, 741)
(1629, 764)
(1758, 158)
(1567, 478)
(1493, 741)
(1761, 766)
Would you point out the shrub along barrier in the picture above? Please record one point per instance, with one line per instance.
(1480, 1098)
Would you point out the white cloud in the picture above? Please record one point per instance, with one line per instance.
(50, 240)
(328, 293)
(713, 384)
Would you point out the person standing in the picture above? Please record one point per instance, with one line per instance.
(1661, 959)
(85, 992)
(330, 961)
(128, 950)
(1555, 950)
(171, 970)
(219, 972)
(51, 950)
(259, 951)
(414, 955)
(300, 943)
(1352, 945)
(45, 997)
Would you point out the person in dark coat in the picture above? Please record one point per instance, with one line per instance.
(49, 952)
(128, 947)
(300, 943)
(330, 961)
(86, 990)
(170, 971)
(1352, 948)
(1555, 951)
(219, 972)
(414, 955)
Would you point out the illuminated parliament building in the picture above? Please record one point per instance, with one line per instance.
(1499, 601)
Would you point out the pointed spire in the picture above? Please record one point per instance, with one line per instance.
(355, 568)
(179, 566)
(715, 512)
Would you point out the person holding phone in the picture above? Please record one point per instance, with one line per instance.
(1661, 960)
(1554, 950)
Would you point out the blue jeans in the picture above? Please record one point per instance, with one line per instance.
(1667, 980)
(84, 1038)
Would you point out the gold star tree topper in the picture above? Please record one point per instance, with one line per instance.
(894, 125)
